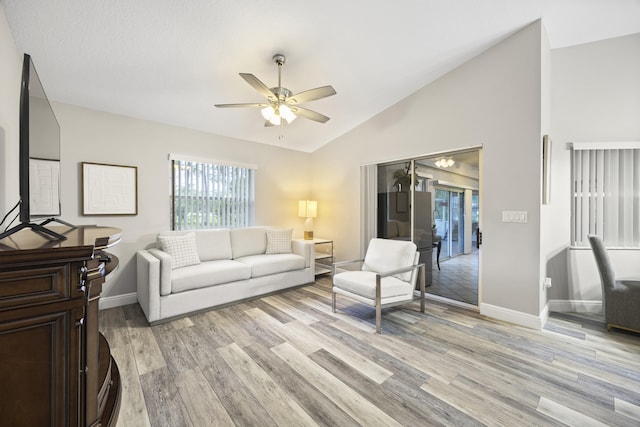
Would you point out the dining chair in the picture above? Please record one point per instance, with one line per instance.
(620, 297)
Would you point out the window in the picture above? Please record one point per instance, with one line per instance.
(207, 194)
(606, 193)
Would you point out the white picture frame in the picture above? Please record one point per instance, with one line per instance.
(109, 189)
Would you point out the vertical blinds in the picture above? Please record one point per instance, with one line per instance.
(206, 195)
(606, 196)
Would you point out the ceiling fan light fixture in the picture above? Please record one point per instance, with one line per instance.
(275, 115)
(268, 113)
(286, 113)
(271, 114)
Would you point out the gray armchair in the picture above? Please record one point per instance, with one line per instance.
(620, 298)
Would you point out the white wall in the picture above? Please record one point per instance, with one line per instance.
(10, 77)
(493, 100)
(595, 97)
(549, 241)
(91, 136)
(283, 176)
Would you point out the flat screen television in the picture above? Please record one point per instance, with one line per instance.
(39, 157)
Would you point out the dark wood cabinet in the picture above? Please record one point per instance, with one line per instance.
(56, 368)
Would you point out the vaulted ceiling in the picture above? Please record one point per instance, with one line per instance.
(170, 61)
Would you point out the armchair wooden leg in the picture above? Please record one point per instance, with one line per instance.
(378, 304)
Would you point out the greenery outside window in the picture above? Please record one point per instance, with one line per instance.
(210, 194)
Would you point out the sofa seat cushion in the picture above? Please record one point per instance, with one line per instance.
(264, 265)
(363, 283)
(209, 273)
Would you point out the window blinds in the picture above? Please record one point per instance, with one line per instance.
(206, 195)
(606, 196)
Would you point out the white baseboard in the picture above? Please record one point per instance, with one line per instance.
(516, 317)
(118, 300)
(576, 306)
(433, 297)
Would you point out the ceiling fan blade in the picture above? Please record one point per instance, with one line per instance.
(253, 104)
(311, 95)
(308, 114)
(267, 124)
(259, 86)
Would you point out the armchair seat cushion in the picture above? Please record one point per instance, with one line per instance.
(363, 283)
(265, 265)
(208, 273)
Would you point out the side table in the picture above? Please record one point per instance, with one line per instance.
(324, 255)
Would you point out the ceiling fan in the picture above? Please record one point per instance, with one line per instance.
(282, 103)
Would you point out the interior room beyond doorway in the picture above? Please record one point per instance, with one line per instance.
(434, 201)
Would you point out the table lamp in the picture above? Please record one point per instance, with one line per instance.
(308, 209)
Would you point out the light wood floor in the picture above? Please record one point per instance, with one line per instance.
(286, 360)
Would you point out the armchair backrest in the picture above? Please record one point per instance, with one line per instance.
(386, 255)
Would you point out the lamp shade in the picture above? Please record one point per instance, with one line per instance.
(308, 208)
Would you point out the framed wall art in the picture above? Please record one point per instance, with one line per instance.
(109, 189)
(44, 187)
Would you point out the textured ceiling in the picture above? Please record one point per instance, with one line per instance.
(170, 61)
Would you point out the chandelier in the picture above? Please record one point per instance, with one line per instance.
(445, 163)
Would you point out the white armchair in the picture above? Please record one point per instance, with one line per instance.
(387, 276)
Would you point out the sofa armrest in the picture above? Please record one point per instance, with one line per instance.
(165, 270)
(305, 249)
(148, 284)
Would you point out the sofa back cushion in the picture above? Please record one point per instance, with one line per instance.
(214, 245)
(211, 244)
(248, 241)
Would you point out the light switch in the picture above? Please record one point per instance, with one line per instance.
(514, 216)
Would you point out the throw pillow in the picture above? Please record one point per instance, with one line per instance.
(182, 249)
(279, 241)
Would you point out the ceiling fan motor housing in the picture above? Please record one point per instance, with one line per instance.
(281, 93)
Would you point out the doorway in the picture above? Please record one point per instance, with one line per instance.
(434, 201)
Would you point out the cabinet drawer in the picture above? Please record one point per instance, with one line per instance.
(34, 286)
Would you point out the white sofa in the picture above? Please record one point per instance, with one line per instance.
(195, 270)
